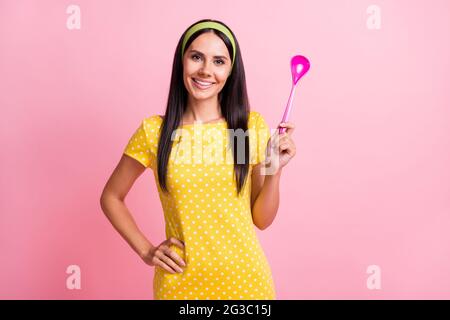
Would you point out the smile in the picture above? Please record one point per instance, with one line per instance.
(201, 84)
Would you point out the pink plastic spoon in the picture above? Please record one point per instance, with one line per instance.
(299, 66)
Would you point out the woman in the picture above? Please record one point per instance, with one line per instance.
(212, 250)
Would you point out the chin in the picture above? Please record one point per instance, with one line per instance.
(203, 95)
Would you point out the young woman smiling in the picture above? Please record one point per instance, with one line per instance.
(211, 250)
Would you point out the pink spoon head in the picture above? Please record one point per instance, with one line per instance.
(299, 66)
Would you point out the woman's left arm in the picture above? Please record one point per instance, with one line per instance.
(266, 177)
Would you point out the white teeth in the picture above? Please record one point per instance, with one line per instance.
(203, 83)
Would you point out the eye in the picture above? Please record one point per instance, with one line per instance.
(195, 56)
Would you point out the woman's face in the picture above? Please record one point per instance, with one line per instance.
(206, 60)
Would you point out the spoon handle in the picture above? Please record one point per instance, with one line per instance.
(287, 110)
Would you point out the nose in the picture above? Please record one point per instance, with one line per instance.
(204, 70)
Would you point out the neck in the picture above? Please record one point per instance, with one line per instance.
(202, 110)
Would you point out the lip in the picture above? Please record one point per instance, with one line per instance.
(197, 85)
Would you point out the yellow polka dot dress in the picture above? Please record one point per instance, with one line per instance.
(223, 255)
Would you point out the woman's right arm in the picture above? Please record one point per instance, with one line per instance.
(113, 205)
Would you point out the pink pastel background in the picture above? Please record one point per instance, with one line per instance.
(369, 184)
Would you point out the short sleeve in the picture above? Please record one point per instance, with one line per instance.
(262, 138)
(139, 146)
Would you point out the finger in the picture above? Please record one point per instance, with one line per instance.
(288, 143)
(176, 257)
(288, 148)
(284, 146)
(175, 241)
(287, 125)
(161, 259)
(292, 146)
(290, 127)
(163, 265)
(285, 138)
(290, 151)
(166, 258)
(279, 138)
(277, 135)
(274, 135)
(180, 244)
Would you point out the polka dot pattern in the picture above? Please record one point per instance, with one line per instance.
(223, 255)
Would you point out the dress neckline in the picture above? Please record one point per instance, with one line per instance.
(220, 121)
(204, 124)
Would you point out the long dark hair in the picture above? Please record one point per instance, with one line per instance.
(233, 101)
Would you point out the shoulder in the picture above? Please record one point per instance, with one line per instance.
(256, 120)
(152, 123)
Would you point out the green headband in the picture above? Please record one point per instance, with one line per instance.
(212, 25)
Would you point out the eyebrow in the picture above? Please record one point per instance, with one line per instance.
(200, 53)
